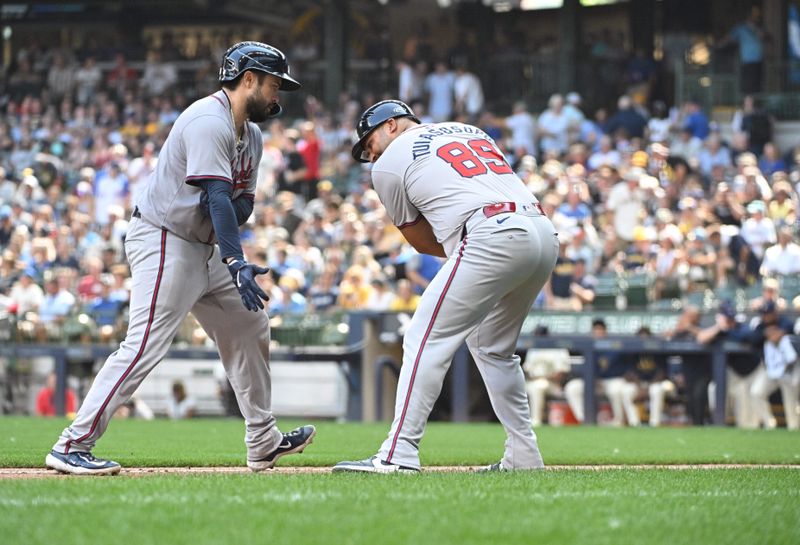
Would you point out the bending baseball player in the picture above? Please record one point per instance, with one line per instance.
(202, 190)
(452, 194)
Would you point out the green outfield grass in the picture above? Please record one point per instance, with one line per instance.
(615, 506)
(219, 442)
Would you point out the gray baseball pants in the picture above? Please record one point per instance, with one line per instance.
(171, 277)
(482, 294)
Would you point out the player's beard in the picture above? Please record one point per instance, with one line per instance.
(257, 107)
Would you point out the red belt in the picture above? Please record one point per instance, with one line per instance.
(505, 208)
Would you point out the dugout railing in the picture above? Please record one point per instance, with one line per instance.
(364, 367)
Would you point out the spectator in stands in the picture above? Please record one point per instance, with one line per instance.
(290, 301)
(60, 77)
(439, 88)
(625, 204)
(686, 146)
(770, 292)
(695, 368)
(58, 302)
(750, 37)
(121, 77)
(406, 300)
(659, 125)
(649, 373)
(26, 295)
(111, 189)
(7, 225)
(553, 128)
(611, 369)
(159, 76)
(574, 207)
(468, 93)
(713, 154)
(45, 399)
(781, 209)
(523, 130)
(726, 206)
(779, 370)
(741, 366)
(324, 293)
(783, 257)
(757, 126)
(695, 120)
(87, 80)
(180, 406)
(606, 155)
(382, 297)
(105, 308)
(771, 160)
(758, 231)
(309, 149)
(354, 291)
(420, 270)
(90, 285)
(626, 122)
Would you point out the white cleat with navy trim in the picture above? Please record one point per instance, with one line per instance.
(372, 465)
(80, 463)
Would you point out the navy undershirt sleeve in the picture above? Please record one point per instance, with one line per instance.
(223, 217)
(243, 208)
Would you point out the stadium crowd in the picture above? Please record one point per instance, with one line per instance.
(643, 191)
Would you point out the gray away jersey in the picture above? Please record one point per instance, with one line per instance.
(201, 145)
(444, 172)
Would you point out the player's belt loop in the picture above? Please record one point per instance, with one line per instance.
(136, 213)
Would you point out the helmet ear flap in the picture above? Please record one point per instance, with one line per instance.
(274, 110)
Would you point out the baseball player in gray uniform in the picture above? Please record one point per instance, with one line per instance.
(452, 194)
(201, 191)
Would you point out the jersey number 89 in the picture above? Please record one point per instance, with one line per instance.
(474, 160)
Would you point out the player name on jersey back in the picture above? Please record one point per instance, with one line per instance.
(423, 145)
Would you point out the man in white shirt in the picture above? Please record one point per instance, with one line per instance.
(782, 258)
(758, 230)
(523, 130)
(625, 202)
(468, 93)
(780, 370)
(606, 155)
(26, 294)
(554, 127)
(713, 154)
(439, 86)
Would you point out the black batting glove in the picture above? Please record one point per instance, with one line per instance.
(244, 278)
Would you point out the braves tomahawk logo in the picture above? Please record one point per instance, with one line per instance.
(241, 174)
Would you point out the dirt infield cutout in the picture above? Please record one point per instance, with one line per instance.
(41, 473)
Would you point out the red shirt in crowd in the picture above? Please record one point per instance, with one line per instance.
(45, 402)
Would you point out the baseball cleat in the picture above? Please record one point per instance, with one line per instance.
(372, 465)
(80, 463)
(293, 442)
(496, 467)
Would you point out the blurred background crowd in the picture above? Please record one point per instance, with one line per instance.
(662, 202)
(643, 193)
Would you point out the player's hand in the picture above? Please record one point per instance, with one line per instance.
(203, 204)
(244, 278)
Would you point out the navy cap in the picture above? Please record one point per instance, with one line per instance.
(727, 309)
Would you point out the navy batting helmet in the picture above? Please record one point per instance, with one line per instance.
(257, 56)
(372, 118)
